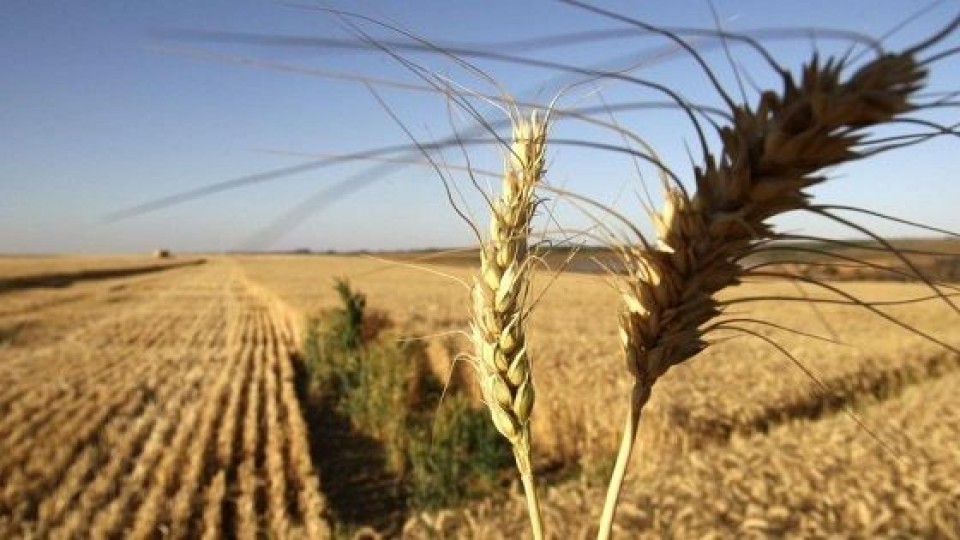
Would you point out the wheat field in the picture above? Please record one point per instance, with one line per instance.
(22, 266)
(164, 404)
(723, 374)
(573, 331)
(776, 452)
(145, 406)
(803, 479)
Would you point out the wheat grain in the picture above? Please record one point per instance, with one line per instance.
(499, 293)
(771, 155)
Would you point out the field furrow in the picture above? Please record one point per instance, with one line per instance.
(195, 473)
(275, 452)
(188, 502)
(164, 412)
(112, 517)
(249, 486)
(229, 441)
(47, 416)
(28, 474)
(151, 514)
(66, 517)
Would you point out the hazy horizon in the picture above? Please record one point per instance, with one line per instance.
(106, 109)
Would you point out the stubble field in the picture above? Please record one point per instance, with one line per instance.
(148, 406)
(164, 404)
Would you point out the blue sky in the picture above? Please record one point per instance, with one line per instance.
(103, 109)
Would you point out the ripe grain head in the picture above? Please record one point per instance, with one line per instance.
(499, 298)
(771, 155)
(499, 292)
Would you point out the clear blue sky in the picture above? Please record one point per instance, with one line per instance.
(100, 111)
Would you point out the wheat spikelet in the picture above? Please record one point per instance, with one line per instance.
(771, 155)
(499, 294)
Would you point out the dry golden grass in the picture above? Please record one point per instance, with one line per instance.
(160, 405)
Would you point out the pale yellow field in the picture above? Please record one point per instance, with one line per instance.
(163, 404)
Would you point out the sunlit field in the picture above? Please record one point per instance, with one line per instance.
(166, 401)
(162, 402)
(545, 271)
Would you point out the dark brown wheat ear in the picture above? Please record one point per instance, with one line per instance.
(771, 154)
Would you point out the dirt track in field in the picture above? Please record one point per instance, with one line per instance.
(156, 405)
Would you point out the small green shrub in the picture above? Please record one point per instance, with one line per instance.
(311, 347)
(349, 326)
(455, 454)
(375, 396)
(445, 454)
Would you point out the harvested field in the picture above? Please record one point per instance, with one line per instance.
(162, 404)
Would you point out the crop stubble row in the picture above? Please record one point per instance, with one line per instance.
(176, 414)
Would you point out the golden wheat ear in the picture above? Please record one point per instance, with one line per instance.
(771, 154)
(500, 291)
(499, 299)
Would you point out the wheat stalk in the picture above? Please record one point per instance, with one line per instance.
(771, 155)
(499, 294)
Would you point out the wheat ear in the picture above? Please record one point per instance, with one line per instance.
(770, 156)
(499, 294)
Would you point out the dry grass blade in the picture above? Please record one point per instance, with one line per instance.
(499, 295)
